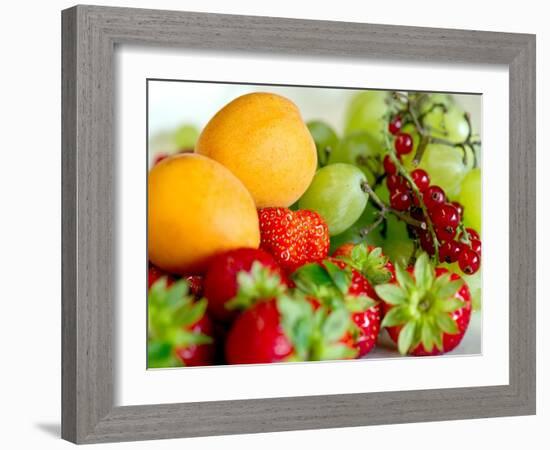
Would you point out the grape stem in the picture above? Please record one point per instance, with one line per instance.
(384, 210)
(425, 135)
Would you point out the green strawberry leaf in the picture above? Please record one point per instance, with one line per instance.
(341, 278)
(335, 325)
(427, 336)
(310, 277)
(404, 279)
(336, 351)
(260, 283)
(397, 315)
(423, 273)
(358, 304)
(371, 264)
(446, 323)
(391, 293)
(406, 337)
(450, 305)
(177, 293)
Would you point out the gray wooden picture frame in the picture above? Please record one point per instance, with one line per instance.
(90, 34)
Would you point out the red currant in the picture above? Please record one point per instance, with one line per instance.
(400, 200)
(476, 245)
(393, 182)
(459, 208)
(426, 242)
(421, 179)
(389, 166)
(445, 234)
(403, 143)
(446, 216)
(395, 125)
(449, 251)
(472, 234)
(433, 197)
(469, 261)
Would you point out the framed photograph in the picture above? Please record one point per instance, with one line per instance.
(265, 229)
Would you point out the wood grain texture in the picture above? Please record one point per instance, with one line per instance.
(89, 210)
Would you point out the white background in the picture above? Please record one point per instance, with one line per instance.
(30, 225)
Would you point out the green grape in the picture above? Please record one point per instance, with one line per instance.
(325, 139)
(397, 244)
(407, 160)
(430, 100)
(336, 194)
(450, 125)
(186, 137)
(470, 198)
(353, 233)
(445, 167)
(162, 142)
(366, 112)
(362, 150)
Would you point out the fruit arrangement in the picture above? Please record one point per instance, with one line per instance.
(273, 240)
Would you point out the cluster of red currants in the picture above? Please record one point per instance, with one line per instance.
(445, 216)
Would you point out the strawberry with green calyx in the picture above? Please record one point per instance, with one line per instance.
(179, 331)
(336, 285)
(237, 278)
(257, 285)
(427, 310)
(287, 328)
(368, 260)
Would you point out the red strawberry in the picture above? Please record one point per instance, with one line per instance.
(293, 237)
(241, 276)
(336, 285)
(154, 274)
(179, 332)
(367, 259)
(197, 354)
(194, 281)
(427, 310)
(287, 329)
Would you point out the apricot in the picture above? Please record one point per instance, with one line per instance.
(263, 140)
(196, 209)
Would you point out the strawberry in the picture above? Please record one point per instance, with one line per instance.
(154, 274)
(287, 329)
(427, 310)
(368, 260)
(194, 282)
(179, 331)
(294, 238)
(237, 278)
(337, 285)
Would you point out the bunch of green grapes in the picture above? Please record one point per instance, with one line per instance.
(360, 197)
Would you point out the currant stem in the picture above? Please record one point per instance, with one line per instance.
(385, 209)
(405, 174)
